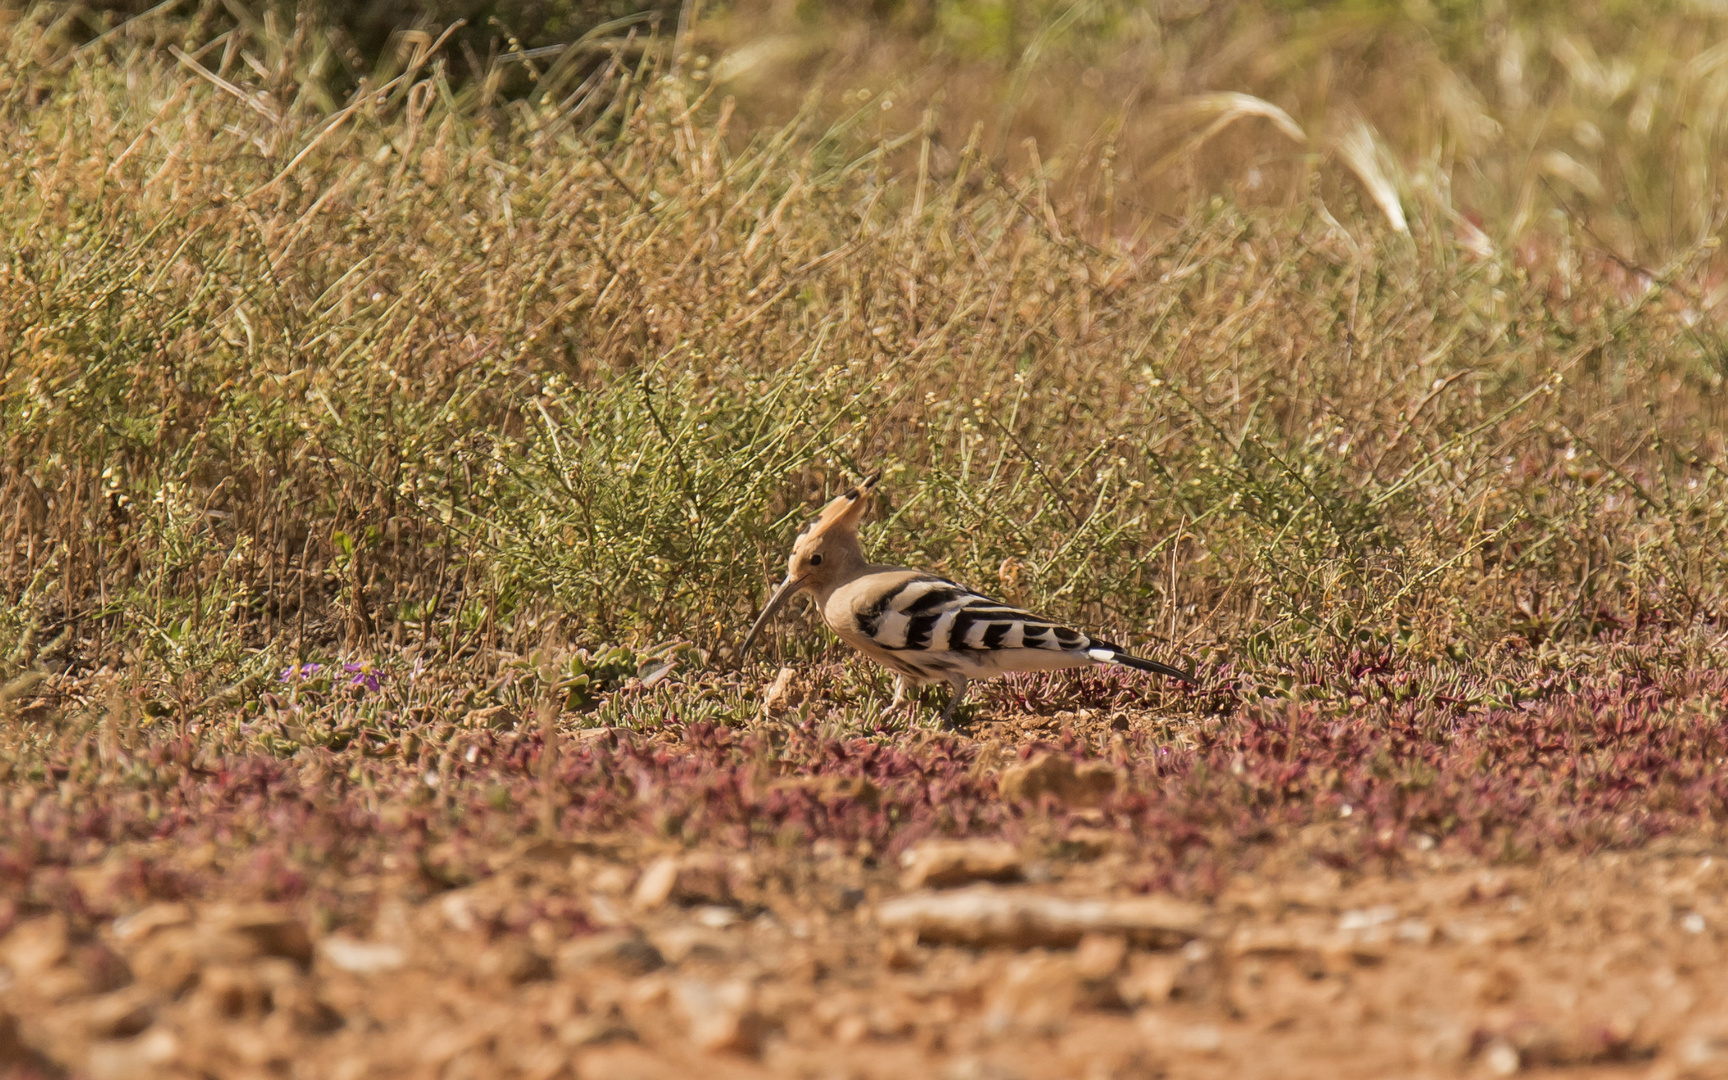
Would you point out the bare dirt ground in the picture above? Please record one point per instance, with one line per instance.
(1610, 965)
(306, 924)
(1607, 965)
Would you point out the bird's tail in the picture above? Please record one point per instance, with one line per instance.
(1110, 654)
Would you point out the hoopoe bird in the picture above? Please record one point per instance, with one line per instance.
(919, 625)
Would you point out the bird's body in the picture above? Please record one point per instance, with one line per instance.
(921, 626)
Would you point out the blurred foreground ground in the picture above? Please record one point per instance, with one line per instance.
(410, 940)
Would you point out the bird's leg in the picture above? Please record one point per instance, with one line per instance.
(958, 682)
(901, 685)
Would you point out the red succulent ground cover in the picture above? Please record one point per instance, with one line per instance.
(1500, 768)
(1380, 777)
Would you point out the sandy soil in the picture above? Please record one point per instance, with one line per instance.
(615, 955)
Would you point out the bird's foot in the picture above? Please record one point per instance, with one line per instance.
(946, 721)
(901, 687)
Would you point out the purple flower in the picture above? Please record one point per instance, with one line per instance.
(364, 677)
(299, 671)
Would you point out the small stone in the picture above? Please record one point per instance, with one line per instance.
(1542, 1044)
(1037, 994)
(1710, 1048)
(851, 1029)
(1151, 979)
(1099, 956)
(133, 928)
(1328, 949)
(234, 992)
(513, 961)
(845, 898)
(362, 957)
(139, 1058)
(1449, 1047)
(458, 909)
(989, 915)
(942, 864)
(692, 879)
(168, 961)
(271, 930)
(118, 1015)
(1500, 1059)
(651, 993)
(774, 698)
(715, 917)
(703, 879)
(626, 953)
(1363, 919)
(1498, 986)
(45, 959)
(683, 942)
(655, 885)
(1501, 931)
(1083, 785)
(720, 1016)
(306, 1012)
(36, 945)
(1168, 1034)
(900, 952)
(612, 880)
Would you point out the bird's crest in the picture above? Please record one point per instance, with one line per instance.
(844, 513)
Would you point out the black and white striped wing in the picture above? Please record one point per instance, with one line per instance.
(928, 628)
(934, 617)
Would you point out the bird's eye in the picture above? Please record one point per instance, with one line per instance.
(815, 560)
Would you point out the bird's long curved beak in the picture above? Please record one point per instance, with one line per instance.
(785, 592)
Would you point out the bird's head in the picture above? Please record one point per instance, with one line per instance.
(825, 552)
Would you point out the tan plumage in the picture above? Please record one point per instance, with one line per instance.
(923, 627)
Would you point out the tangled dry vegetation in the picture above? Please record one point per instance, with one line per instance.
(385, 486)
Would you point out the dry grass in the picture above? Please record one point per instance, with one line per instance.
(429, 371)
(1487, 120)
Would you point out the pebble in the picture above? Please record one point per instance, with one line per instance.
(991, 915)
(627, 952)
(655, 885)
(942, 864)
(720, 1016)
(1500, 1059)
(1076, 785)
(690, 879)
(362, 957)
(512, 961)
(134, 1059)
